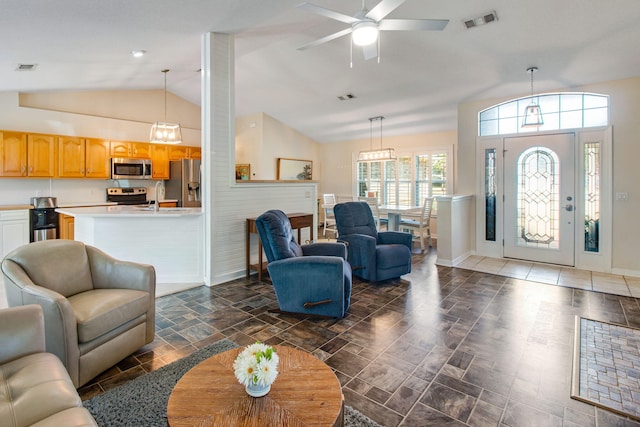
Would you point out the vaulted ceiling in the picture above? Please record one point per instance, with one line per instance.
(420, 79)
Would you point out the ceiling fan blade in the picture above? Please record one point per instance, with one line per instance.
(325, 39)
(383, 8)
(370, 51)
(327, 13)
(413, 24)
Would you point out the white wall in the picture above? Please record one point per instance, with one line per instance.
(261, 140)
(624, 108)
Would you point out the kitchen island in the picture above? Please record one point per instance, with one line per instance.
(170, 239)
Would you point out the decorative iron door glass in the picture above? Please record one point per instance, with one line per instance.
(294, 169)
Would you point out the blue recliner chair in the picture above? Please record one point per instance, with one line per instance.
(312, 279)
(373, 255)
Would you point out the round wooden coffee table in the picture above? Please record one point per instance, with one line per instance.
(306, 392)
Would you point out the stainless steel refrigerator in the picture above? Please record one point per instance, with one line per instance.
(184, 183)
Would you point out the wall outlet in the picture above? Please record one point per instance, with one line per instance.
(624, 196)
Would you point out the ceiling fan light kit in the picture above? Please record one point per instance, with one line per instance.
(532, 113)
(164, 132)
(364, 33)
(378, 155)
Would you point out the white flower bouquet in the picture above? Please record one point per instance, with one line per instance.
(256, 366)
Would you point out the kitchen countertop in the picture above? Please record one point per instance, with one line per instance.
(123, 211)
(14, 207)
(84, 204)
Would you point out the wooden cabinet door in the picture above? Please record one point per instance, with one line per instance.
(120, 149)
(41, 155)
(13, 154)
(195, 153)
(97, 159)
(67, 226)
(177, 152)
(160, 161)
(140, 150)
(71, 157)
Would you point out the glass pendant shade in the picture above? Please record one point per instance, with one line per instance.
(532, 116)
(165, 133)
(377, 155)
(364, 33)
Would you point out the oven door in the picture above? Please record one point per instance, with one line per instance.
(130, 168)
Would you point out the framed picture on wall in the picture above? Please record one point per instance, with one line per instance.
(243, 172)
(294, 169)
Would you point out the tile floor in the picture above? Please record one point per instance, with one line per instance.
(441, 346)
(555, 275)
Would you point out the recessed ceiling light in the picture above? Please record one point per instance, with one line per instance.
(138, 53)
(26, 67)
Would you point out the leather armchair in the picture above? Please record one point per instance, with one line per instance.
(35, 387)
(311, 279)
(373, 255)
(97, 309)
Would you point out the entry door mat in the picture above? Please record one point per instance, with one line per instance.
(606, 366)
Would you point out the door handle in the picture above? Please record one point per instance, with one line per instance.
(569, 207)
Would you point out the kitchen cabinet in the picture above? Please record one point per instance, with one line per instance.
(168, 204)
(160, 161)
(179, 152)
(66, 224)
(83, 158)
(13, 152)
(136, 150)
(14, 230)
(41, 150)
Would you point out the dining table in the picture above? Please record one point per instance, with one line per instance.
(394, 212)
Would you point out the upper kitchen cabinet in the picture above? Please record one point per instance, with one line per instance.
(13, 149)
(138, 150)
(83, 158)
(41, 150)
(179, 152)
(160, 161)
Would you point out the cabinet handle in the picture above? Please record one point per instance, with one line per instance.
(88, 170)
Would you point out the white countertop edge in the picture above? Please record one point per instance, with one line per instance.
(121, 211)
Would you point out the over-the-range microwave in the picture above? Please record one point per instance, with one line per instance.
(122, 168)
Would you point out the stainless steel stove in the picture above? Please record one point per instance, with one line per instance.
(127, 195)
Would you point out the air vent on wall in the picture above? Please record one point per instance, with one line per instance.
(346, 97)
(26, 67)
(481, 20)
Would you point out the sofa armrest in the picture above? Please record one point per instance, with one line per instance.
(325, 249)
(361, 250)
(395, 237)
(108, 272)
(21, 332)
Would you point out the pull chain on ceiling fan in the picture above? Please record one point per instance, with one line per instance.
(366, 25)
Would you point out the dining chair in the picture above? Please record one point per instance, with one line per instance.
(328, 201)
(419, 225)
(375, 210)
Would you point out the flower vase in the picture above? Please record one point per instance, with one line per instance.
(257, 390)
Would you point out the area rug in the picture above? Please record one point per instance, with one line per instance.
(142, 402)
(606, 367)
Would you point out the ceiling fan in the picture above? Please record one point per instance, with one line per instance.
(366, 24)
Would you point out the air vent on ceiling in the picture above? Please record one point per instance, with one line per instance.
(26, 67)
(481, 20)
(346, 97)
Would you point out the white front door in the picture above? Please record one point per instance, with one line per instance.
(539, 198)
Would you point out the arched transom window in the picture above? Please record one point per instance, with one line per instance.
(567, 110)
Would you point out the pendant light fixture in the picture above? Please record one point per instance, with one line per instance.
(164, 132)
(532, 114)
(381, 154)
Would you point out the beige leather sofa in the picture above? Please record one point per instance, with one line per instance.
(97, 309)
(35, 389)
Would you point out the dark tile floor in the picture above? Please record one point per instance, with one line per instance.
(441, 346)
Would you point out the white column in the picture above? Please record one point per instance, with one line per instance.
(218, 132)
